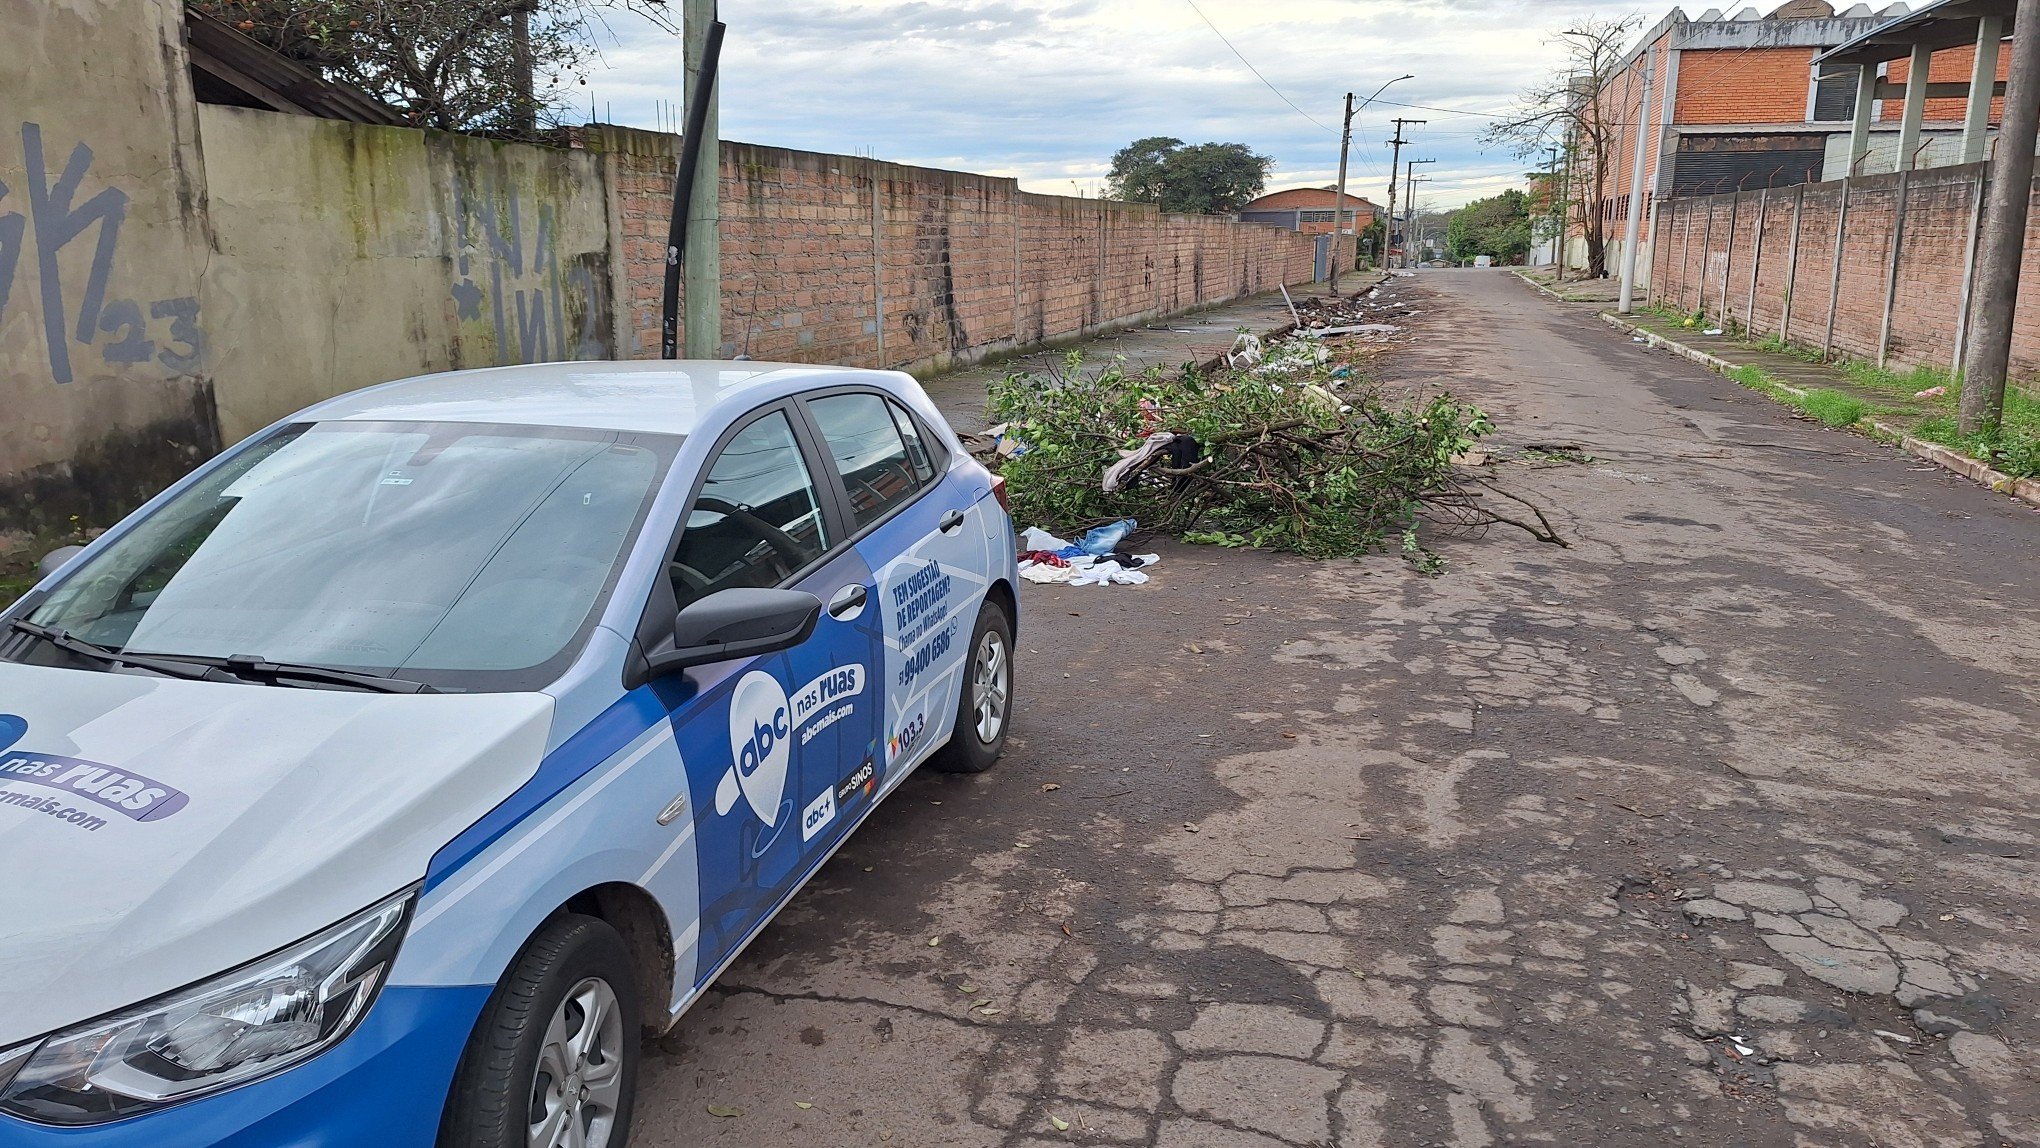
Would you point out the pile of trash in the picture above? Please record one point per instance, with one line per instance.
(1096, 559)
(1377, 315)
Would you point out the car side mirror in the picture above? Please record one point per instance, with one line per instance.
(741, 622)
(55, 559)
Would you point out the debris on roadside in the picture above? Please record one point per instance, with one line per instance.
(1288, 445)
(1095, 560)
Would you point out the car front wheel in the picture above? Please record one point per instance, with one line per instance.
(985, 702)
(553, 1060)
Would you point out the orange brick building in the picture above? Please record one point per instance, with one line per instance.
(1310, 210)
(1733, 104)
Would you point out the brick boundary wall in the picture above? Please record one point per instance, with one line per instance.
(855, 261)
(1894, 296)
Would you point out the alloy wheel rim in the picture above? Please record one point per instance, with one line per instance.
(990, 679)
(578, 1082)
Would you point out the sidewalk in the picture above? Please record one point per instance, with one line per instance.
(1572, 290)
(1888, 408)
(1194, 337)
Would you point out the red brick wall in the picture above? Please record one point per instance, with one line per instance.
(1743, 85)
(1706, 254)
(1952, 65)
(962, 264)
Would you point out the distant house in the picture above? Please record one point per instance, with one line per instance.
(1310, 210)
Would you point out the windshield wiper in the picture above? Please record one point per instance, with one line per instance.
(249, 667)
(62, 639)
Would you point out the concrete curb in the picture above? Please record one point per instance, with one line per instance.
(1539, 287)
(1975, 470)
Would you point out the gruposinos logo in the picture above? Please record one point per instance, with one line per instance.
(129, 794)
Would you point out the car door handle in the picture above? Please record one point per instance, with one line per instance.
(848, 601)
(950, 521)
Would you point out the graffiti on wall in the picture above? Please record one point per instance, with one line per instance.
(45, 218)
(509, 267)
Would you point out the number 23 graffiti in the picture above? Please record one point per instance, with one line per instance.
(54, 220)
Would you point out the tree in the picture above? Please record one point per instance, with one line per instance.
(1140, 169)
(1570, 107)
(1203, 179)
(1498, 227)
(460, 65)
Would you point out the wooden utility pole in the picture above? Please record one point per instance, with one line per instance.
(702, 272)
(1339, 203)
(525, 114)
(1989, 356)
(1394, 168)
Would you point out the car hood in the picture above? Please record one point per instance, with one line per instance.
(157, 832)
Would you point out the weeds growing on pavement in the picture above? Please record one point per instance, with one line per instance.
(1832, 407)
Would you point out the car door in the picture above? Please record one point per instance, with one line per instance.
(919, 534)
(776, 746)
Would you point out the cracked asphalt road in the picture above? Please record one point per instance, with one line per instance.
(1717, 828)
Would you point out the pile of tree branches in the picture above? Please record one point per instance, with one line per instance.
(1284, 458)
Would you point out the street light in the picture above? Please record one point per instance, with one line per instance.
(1339, 203)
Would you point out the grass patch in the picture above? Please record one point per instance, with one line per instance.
(1758, 379)
(1832, 407)
(2014, 449)
(1899, 384)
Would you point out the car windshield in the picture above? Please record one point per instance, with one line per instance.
(465, 556)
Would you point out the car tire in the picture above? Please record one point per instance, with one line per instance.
(984, 705)
(530, 1063)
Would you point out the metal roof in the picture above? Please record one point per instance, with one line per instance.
(230, 68)
(1942, 24)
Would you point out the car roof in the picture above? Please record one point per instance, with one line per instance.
(654, 396)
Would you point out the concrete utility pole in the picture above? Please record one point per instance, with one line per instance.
(1632, 232)
(703, 267)
(1551, 199)
(1410, 190)
(2004, 231)
(1339, 201)
(1339, 204)
(1564, 206)
(1394, 169)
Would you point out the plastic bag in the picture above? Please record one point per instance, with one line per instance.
(1105, 539)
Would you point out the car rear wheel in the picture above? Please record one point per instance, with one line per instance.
(985, 702)
(553, 1060)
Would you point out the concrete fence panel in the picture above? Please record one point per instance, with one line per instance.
(1875, 268)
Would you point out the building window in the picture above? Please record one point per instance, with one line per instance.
(1834, 99)
(1316, 216)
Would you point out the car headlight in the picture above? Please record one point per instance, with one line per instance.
(242, 1025)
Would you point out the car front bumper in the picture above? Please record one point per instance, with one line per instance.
(385, 1086)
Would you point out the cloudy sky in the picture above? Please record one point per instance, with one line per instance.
(1047, 90)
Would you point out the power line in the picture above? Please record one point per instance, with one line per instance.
(1250, 65)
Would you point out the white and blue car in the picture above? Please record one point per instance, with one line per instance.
(382, 781)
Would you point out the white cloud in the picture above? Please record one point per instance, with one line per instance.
(1047, 90)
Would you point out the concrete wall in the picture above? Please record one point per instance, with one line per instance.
(102, 240)
(1896, 296)
(349, 255)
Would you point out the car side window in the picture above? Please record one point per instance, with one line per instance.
(882, 464)
(757, 520)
